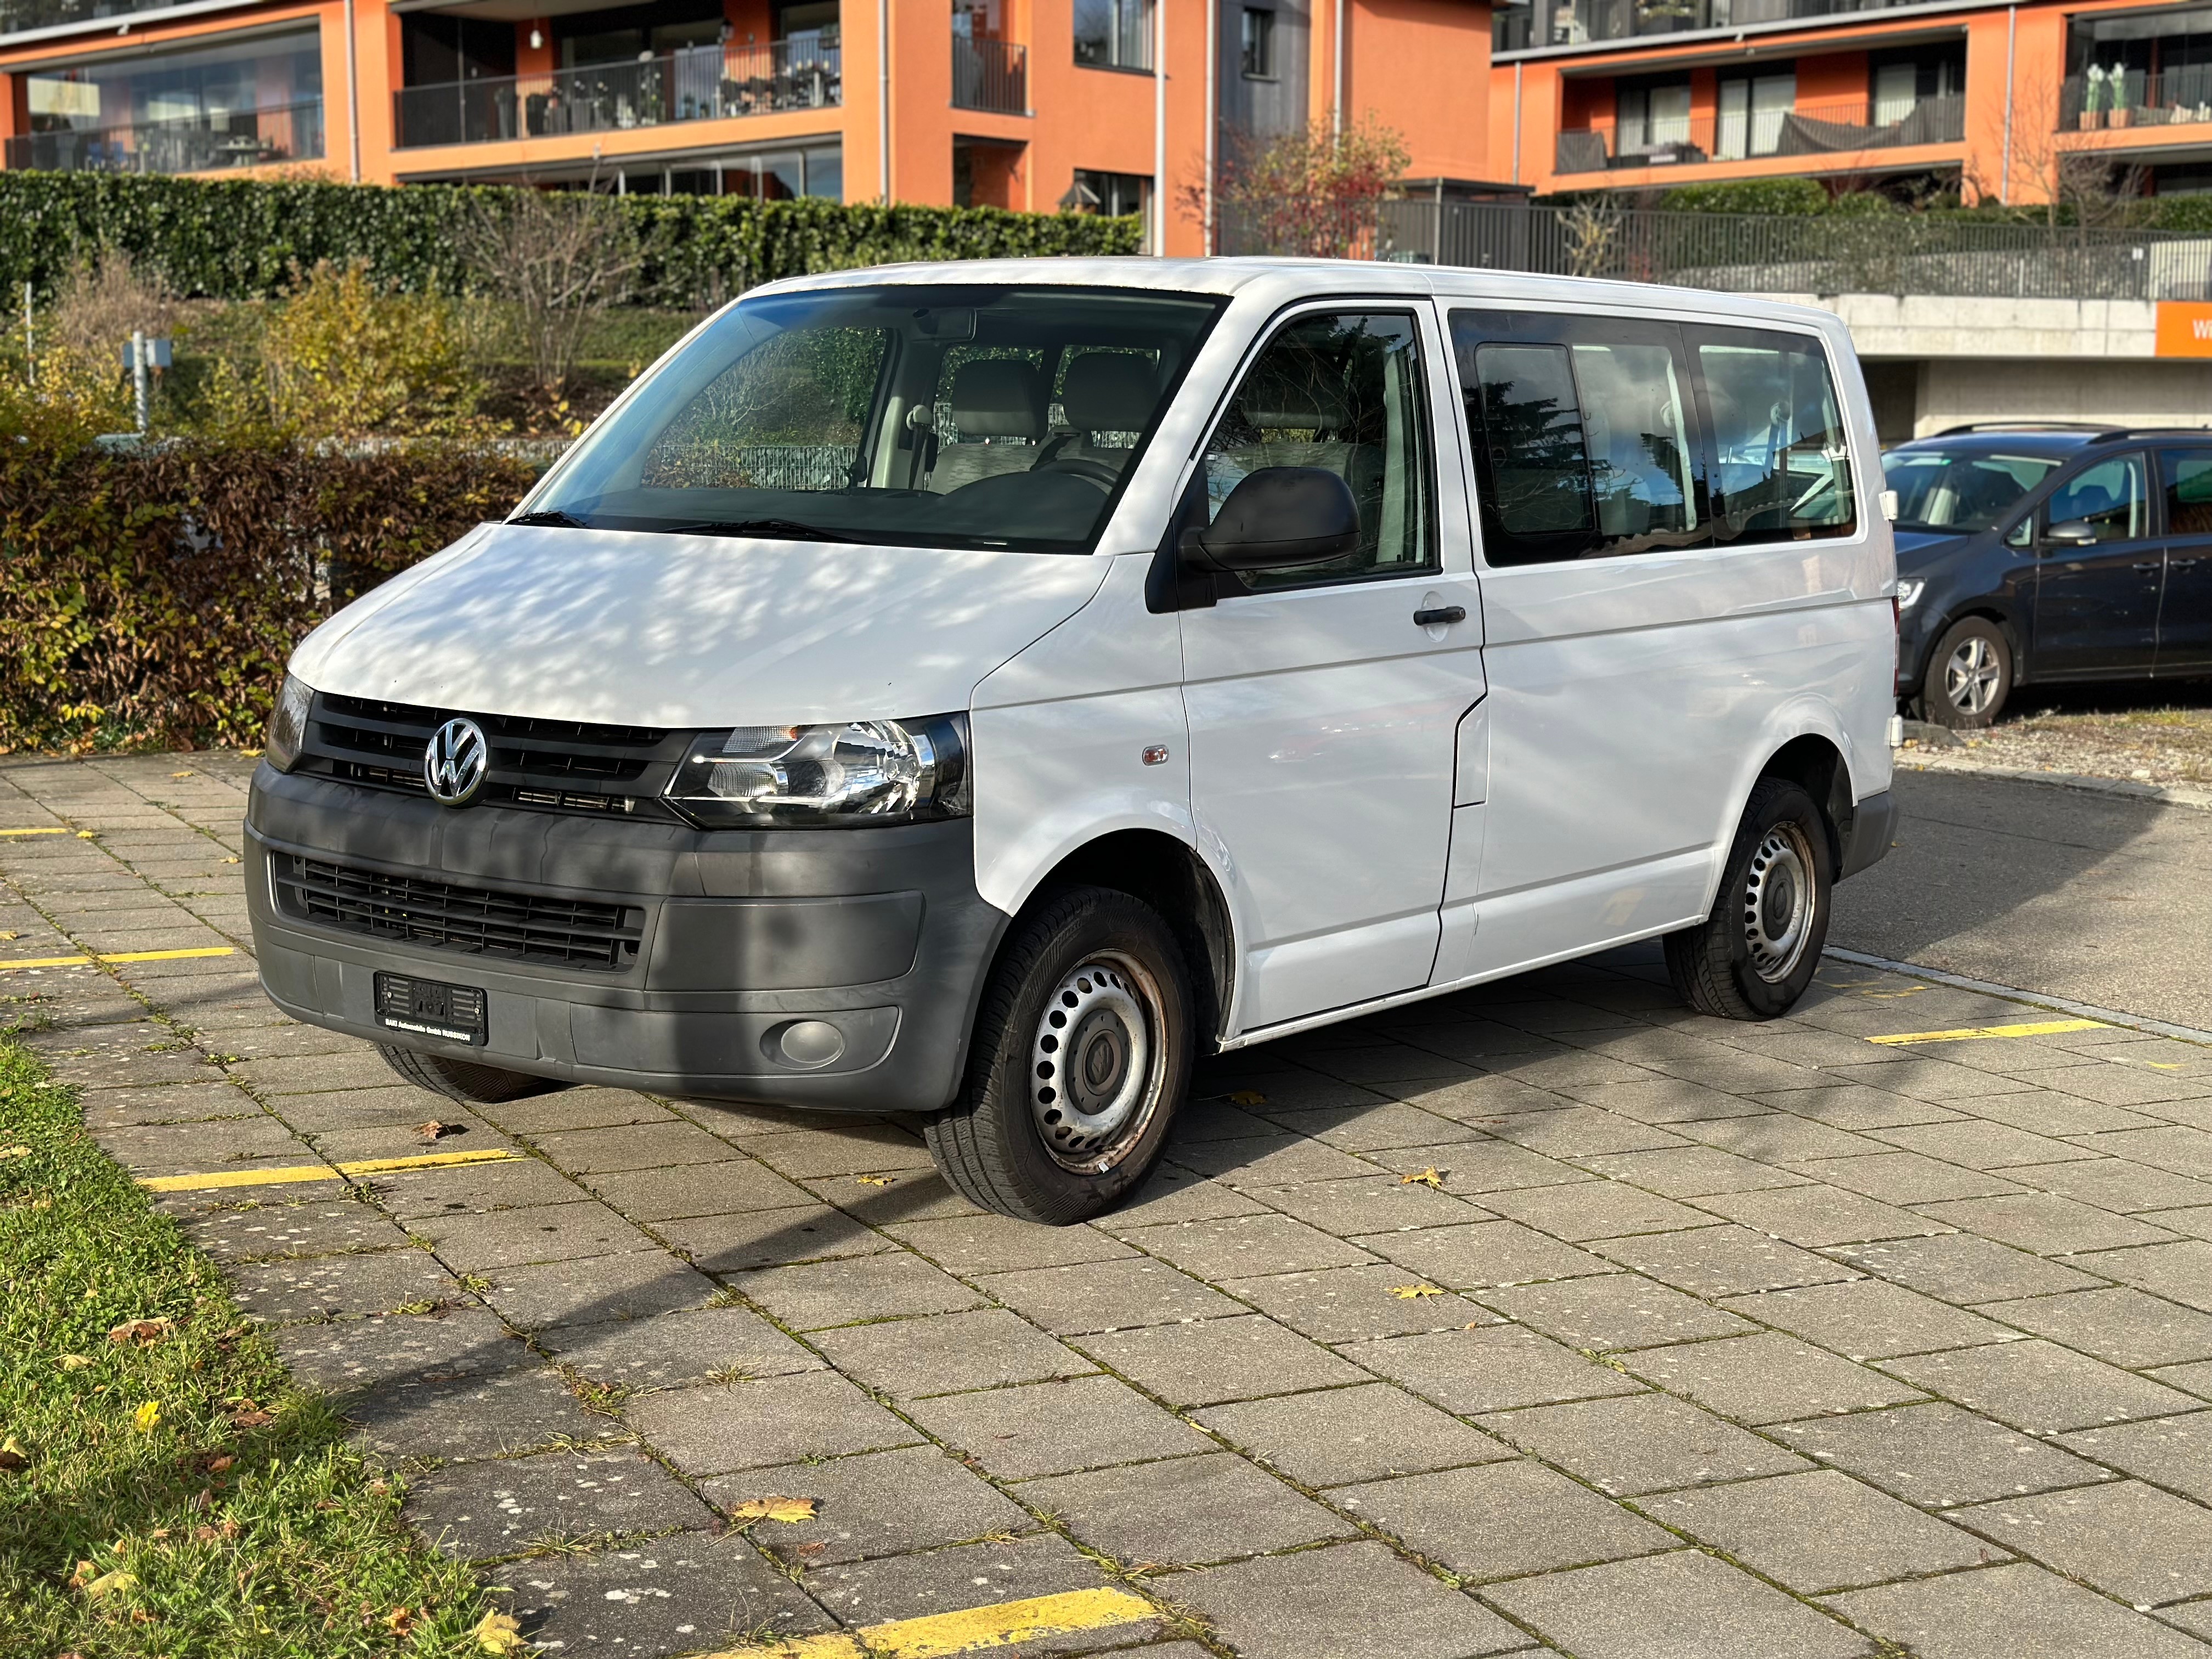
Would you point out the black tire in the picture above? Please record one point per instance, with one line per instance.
(464, 1079)
(1758, 951)
(1017, 1140)
(1969, 675)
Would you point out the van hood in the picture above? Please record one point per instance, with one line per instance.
(622, 628)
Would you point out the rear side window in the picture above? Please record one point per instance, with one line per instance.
(1781, 468)
(1585, 436)
(1598, 436)
(2188, 477)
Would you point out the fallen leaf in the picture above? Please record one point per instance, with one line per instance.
(158, 1532)
(498, 1633)
(231, 860)
(1248, 1097)
(144, 1419)
(86, 1571)
(1407, 1293)
(10, 935)
(84, 834)
(399, 1620)
(144, 1332)
(12, 1454)
(73, 1362)
(252, 1417)
(7, 1152)
(874, 1181)
(789, 1510)
(118, 1582)
(180, 775)
(220, 1465)
(435, 1130)
(1430, 1176)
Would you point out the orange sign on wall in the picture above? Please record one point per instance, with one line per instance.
(2184, 329)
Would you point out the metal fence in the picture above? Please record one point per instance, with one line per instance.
(1839, 132)
(992, 75)
(1758, 253)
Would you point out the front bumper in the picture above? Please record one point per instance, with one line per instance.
(727, 940)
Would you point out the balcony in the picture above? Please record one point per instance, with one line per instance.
(1557, 23)
(992, 75)
(202, 143)
(21, 16)
(705, 84)
(1705, 136)
(2130, 98)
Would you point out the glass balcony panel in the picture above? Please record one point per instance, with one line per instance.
(208, 141)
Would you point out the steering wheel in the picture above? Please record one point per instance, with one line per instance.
(1096, 472)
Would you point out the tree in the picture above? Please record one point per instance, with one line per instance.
(561, 259)
(1314, 190)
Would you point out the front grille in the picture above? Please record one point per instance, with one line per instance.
(553, 766)
(476, 921)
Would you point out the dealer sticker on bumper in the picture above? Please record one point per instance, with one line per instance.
(430, 1008)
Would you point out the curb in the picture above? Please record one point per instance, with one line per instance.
(2162, 794)
(2032, 999)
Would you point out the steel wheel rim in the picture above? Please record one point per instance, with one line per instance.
(1777, 902)
(1970, 678)
(1098, 1063)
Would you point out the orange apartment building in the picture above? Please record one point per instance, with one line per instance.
(1023, 104)
(1918, 97)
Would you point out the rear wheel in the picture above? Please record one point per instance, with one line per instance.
(464, 1079)
(1758, 951)
(1081, 1054)
(1969, 675)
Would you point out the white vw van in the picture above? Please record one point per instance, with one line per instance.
(974, 691)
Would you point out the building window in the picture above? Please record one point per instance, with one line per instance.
(1650, 118)
(1113, 34)
(235, 103)
(1258, 57)
(1750, 113)
(1112, 194)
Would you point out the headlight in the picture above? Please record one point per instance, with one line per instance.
(288, 724)
(1908, 592)
(860, 772)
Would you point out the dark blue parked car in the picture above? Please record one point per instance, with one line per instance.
(2041, 553)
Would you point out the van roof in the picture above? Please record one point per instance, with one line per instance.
(1289, 279)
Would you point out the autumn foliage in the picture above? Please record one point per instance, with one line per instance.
(1314, 190)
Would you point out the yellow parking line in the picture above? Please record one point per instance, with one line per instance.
(120, 955)
(57, 830)
(2042, 1028)
(292, 1173)
(944, 1633)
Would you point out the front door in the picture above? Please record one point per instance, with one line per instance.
(2100, 569)
(2184, 610)
(1323, 715)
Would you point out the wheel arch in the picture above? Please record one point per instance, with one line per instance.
(1813, 760)
(1170, 876)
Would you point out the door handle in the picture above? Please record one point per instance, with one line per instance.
(2181, 564)
(1439, 615)
(2152, 564)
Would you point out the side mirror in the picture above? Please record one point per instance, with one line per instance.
(2075, 532)
(1277, 517)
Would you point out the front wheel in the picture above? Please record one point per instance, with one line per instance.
(1758, 951)
(464, 1080)
(1969, 675)
(1081, 1054)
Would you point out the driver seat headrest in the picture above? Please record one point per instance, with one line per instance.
(1108, 391)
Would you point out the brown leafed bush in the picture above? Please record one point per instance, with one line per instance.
(151, 598)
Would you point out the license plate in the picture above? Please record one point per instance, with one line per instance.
(429, 1007)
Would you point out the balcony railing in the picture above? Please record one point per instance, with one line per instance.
(2130, 98)
(1582, 23)
(200, 144)
(990, 75)
(1711, 136)
(705, 84)
(17, 16)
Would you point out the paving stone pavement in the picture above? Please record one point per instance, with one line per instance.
(1547, 1317)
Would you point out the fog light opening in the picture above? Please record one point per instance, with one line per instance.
(809, 1044)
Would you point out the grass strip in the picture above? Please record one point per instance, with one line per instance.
(165, 1488)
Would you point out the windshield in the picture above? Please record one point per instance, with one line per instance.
(970, 417)
(1946, 489)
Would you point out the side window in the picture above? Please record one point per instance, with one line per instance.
(2101, 503)
(1341, 391)
(1781, 458)
(2187, 475)
(1583, 436)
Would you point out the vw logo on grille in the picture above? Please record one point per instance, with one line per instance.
(454, 764)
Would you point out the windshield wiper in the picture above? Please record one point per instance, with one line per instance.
(552, 516)
(790, 529)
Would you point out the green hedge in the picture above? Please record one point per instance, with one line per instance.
(1784, 196)
(237, 239)
(153, 598)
